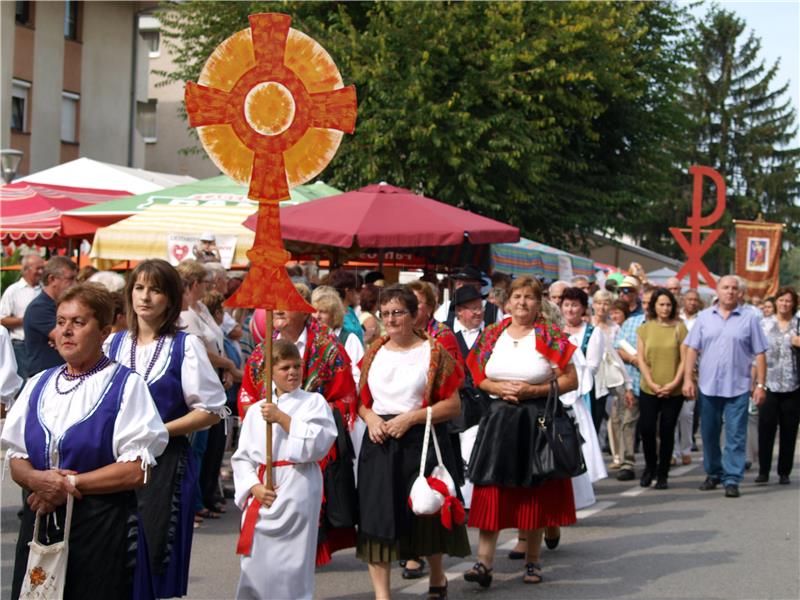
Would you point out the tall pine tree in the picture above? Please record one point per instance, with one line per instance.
(744, 127)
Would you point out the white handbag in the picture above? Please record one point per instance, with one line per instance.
(429, 495)
(46, 572)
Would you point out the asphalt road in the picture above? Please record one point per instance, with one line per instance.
(634, 543)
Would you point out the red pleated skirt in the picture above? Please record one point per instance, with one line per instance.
(548, 505)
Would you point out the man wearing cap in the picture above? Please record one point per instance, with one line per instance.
(727, 337)
(629, 293)
(206, 250)
(468, 276)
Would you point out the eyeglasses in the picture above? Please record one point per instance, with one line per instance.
(393, 313)
(626, 290)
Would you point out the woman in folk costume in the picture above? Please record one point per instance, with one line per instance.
(402, 374)
(189, 397)
(326, 371)
(279, 532)
(514, 361)
(88, 428)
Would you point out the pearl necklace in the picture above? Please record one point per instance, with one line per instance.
(159, 345)
(80, 377)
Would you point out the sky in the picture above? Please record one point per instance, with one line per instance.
(777, 24)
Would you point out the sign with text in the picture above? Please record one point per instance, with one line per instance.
(181, 246)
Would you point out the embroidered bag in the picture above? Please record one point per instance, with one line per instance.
(437, 492)
(46, 572)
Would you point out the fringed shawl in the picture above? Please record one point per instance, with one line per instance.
(444, 373)
(551, 342)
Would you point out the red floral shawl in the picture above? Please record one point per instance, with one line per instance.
(551, 342)
(326, 370)
(445, 336)
(445, 375)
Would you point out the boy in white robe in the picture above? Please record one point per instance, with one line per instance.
(279, 528)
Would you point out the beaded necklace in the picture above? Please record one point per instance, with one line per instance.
(80, 377)
(159, 345)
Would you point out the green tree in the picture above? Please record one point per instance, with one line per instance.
(559, 117)
(743, 127)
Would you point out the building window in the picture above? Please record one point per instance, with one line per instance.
(23, 12)
(69, 116)
(146, 120)
(152, 39)
(19, 104)
(71, 19)
(150, 30)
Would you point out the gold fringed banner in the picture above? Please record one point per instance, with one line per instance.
(758, 256)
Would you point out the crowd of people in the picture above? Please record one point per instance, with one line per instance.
(125, 394)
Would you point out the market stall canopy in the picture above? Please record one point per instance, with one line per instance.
(84, 172)
(527, 257)
(384, 216)
(215, 191)
(161, 229)
(32, 212)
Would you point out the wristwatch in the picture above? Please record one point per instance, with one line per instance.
(761, 386)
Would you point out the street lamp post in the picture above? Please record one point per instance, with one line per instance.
(9, 163)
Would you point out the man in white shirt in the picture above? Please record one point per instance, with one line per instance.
(14, 302)
(691, 306)
(469, 276)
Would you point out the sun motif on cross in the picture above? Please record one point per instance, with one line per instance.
(270, 107)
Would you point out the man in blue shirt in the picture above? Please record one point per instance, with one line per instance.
(40, 317)
(727, 338)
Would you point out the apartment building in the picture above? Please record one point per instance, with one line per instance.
(73, 76)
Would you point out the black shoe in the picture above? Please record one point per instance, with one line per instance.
(626, 475)
(647, 478)
(516, 555)
(762, 478)
(415, 573)
(479, 574)
(661, 484)
(710, 483)
(552, 543)
(438, 592)
(731, 491)
(784, 480)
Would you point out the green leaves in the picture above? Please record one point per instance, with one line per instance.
(559, 117)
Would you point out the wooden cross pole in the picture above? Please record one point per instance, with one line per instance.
(267, 387)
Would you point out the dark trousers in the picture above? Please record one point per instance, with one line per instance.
(598, 411)
(21, 356)
(212, 462)
(780, 410)
(658, 416)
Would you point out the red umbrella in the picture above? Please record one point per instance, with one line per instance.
(32, 211)
(384, 216)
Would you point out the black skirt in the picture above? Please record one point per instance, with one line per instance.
(386, 473)
(160, 502)
(102, 546)
(506, 445)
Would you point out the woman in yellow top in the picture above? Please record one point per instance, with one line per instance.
(661, 354)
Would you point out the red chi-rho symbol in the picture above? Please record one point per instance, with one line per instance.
(697, 247)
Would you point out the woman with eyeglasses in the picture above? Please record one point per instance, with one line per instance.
(402, 374)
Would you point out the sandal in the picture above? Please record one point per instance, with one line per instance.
(518, 554)
(415, 572)
(438, 592)
(533, 573)
(207, 514)
(479, 574)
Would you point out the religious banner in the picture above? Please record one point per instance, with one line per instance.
(758, 256)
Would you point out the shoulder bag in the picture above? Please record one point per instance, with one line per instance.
(46, 572)
(561, 457)
(437, 492)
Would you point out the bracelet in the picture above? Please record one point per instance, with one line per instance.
(761, 386)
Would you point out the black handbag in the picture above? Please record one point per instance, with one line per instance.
(559, 453)
(341, 499)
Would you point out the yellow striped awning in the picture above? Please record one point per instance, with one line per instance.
(144, 235)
